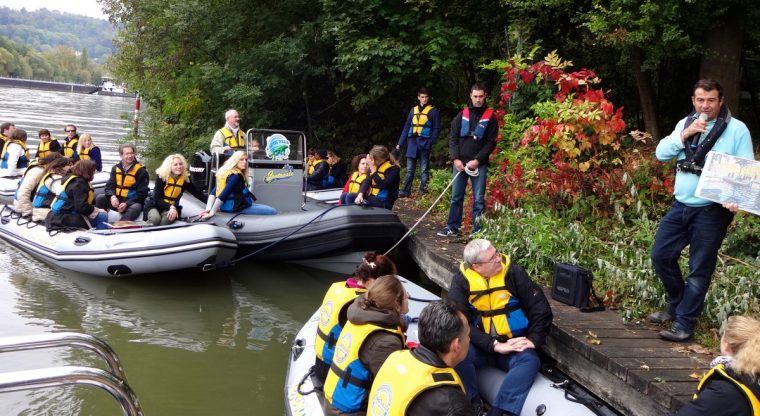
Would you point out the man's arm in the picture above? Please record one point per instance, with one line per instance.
(141, 187)
(110, 188)
(534, 303)
(405, 130)
(454, 137)
(492, 131)
(459, 293)
(217, 143)
(435, 124)
(670, 146)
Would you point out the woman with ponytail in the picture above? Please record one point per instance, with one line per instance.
(374, 330)
(732, 387)
(381, 189)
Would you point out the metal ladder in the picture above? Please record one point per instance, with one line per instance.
(113, 381)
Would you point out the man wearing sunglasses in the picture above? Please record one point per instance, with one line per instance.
(509, 318)
(69, 148)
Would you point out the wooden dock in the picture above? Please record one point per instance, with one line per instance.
(625, 364)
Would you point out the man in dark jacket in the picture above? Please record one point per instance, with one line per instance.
(421, 130)
(318, 171)
(422, 381)
(127, 187)
(509, 318)
(473, 138)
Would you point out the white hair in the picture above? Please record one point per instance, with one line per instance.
(229, 113)
(472, 251)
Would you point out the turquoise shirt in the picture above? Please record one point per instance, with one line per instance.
(734, 141)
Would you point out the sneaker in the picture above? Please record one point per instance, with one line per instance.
(659, 317)
(446, 232)
(403, 195)
(676, 334)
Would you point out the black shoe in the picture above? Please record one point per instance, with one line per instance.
(676, 334)
(477, 407)
(403, 195)
(423, 191)
(446, 232)
(659, 317)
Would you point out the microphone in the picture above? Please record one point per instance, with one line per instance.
(703, 116)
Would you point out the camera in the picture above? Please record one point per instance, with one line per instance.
(688, 166)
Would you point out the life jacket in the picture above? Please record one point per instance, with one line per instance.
(499, 310)
(356, 181)
(401, 379)
(23, 160)
(126, 181)
(420, 122)
(70, 148)
(337, 298)
(480, 128)
(349, 381)
(309, 167)
(329, 180)
(44, 196)
(33, 164)
(60, 200)
(173, 189)
(44, 148)
(374, 190)
(719, 371)
(236, 142)
(238, 201)
(313, 166)
(85, 155)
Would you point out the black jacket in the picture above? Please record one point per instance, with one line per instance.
(314, 181)
(530, 295)
(720, 396)
(466, 148)
(74, 209)
(444, 400)
(141, 185)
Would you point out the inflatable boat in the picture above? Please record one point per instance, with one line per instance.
(552, 393)
(304, 227)
(121, 251)
(8, 186)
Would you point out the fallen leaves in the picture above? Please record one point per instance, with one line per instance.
(592, 338)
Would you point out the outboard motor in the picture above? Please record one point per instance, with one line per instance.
(200, 170)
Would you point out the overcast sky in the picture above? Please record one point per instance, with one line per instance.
(86, 7)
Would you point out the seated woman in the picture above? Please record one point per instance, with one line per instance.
(732, 387)
(317, 171)
(87, 150)
(336, 172)
(75, 207)
(230, 192)
(353, 184)
(172, 180)
(381, 190)
(22, 200)
(47, 144)
(332, 313)
(15, 155)
(374, 330)
(50, 186)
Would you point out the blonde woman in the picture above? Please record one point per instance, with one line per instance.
(87, 150)
(732, 387)
(231, 192)
(172, 180)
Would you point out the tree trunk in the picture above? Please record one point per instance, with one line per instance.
(722, 59)
(646, 95)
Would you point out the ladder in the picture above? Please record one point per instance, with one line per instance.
(113, 380)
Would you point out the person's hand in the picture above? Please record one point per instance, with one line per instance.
(122, 207)
(398, 147)
(359, 199)
(697, 126)
(227, 148)
(458, 165)
(205, 214)
(114, 201)
(518, 344)
(732, 206)
(473, 164)
(172, 214)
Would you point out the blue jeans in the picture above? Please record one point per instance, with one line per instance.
(521, 368)
(703, 230)
(411, 168)
(454, 223)
(100, 221)
(259, 209)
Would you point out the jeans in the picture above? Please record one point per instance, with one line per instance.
(100, 221)
(454, 223)
(411, 168)
(521, 368)
(703, 230)
(259, 209)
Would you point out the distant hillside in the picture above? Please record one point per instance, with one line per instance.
(43, 30)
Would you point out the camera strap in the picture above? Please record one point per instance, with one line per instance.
(698, 156)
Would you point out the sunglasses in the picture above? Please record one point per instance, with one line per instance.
(70, 131)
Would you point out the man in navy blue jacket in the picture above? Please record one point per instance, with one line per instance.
(421, 130)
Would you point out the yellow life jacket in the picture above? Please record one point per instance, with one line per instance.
(374, 190)
(59, 200)
(173, 189)
(720, 371)
(338, 296)
(70, 147)
(349, 381)
(356, 181)
(401, 379)
(85, 155)
(419, 120)
(125, 181)
(313, 165)
(222, 182)
(309, 167)
(44, 148)
(23, 161)
(500, 311)
(236, 142)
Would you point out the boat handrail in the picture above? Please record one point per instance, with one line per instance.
(65, 339)
(73, 375)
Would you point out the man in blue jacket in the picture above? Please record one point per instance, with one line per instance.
(421, 130)
(693, 221)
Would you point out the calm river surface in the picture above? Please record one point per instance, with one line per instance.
(212, 343)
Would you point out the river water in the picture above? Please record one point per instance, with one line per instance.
(213, 343)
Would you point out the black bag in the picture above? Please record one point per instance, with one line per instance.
(572, 285)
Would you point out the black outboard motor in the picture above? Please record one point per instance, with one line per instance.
(200, 170)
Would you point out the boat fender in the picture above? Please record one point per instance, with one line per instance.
(80, 241)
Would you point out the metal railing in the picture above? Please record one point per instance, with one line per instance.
(113, 381)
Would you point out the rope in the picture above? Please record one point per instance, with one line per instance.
(303, 380)
(426, 212)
